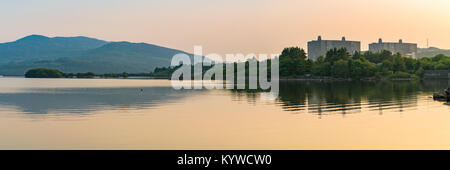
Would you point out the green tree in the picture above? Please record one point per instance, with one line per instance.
(398, 64)
(292, 62)
(335, 54)
(124, 74)
(340, 69)
(294, 53)
(409, 64)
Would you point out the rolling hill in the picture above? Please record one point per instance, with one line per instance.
(81, 54)
(431, 52)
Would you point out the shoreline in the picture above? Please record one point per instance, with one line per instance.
(323, 79)
(131, 77)
(348, 79)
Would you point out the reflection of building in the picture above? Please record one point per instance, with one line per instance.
(406, 49)
(320, 47)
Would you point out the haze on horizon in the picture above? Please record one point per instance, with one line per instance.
(230, 26)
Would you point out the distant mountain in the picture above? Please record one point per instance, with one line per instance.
(81, 54)
(38, 47)
(431, 52)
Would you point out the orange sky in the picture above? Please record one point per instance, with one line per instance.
(230, 26)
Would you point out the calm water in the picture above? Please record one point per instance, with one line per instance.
(116, 114)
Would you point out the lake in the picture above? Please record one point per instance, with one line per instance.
(117, 114)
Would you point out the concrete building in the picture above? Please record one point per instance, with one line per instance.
(320, 47)
(406, 49)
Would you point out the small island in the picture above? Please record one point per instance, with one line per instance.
(44, 73)
(54, 73)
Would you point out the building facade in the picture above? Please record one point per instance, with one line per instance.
(406, 49)
(319, 47)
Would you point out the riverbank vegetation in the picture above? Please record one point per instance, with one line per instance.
(338, 63)
(294, 64)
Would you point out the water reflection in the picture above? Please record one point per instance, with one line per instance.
(295, 97)
(349, 97)
(84, 100)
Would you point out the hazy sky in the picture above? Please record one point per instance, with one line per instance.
(230, 26)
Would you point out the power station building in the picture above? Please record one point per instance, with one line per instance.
(320, 47)
(406, 49)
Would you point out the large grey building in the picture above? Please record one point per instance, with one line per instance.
(320, 47)
(406, 49)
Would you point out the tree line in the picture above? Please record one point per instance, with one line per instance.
(339, 63)
(54, 73)
(294, 63)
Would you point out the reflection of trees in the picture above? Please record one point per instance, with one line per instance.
(335, 97)
(251, 95)
(348, 97)
(435, 85)
(293, 102)
(394, 95)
